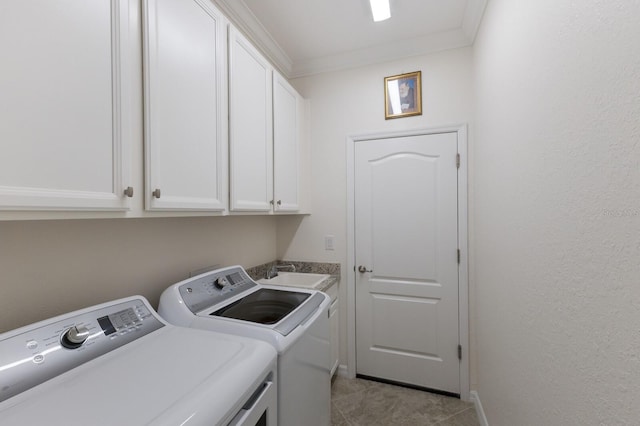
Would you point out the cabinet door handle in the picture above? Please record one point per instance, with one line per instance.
(362, 269)
(129, 192)
(156, 193)
(279, 202)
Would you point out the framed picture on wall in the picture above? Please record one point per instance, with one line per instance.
(403, 95)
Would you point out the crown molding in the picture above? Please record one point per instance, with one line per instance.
(472, 18)
(244, 19)
(382, 53)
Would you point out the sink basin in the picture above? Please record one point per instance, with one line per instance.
(296, 279)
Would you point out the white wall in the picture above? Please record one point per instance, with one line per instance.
(557, 212)
(350, 103)
(51, 267)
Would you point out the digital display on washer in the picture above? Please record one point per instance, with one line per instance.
(123, 319)
(106, 325)
(265, 306)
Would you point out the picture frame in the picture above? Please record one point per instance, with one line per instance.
(403, 95)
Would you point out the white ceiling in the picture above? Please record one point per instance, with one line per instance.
(303, 37)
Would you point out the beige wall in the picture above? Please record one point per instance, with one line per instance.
(51, 267)
(557, 217)
(351, 103)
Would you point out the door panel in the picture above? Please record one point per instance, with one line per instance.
(251, 126)
(414, 315)
(394, 204)
(406, 237)
(285, 145)
(64, 100)
(185, 96)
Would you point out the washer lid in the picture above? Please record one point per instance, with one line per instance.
(172, 376)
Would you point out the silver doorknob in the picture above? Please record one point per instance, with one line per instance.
(362, 269)
(128, 192)
(156, 193)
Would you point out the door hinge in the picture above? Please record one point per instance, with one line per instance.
(458, 255)
(460, 352)
(458, 161)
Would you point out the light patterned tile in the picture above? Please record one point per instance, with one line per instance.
(364, 402)
(371, 406)
(337, 419)
(342, 387)
(426, 408)
(468, 417)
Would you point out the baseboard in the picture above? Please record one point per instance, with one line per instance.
(343, 372)
(475, 398)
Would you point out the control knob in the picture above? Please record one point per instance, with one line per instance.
(222, 282)
(74, 337)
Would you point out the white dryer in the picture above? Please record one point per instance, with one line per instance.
(294, 321)
(119, 363)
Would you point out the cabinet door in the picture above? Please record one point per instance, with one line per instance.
(65, 112)
(250, 131)
(185, 101)
(287, 105)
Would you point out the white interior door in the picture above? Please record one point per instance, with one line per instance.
(406, 242)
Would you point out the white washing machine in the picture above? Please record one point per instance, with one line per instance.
(294, 321)
(119, 363)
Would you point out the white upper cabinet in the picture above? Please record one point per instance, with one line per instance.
(287, 113)
(250, 127)
(184, 45)
(216, 130)
(265, 133)
(65, 110)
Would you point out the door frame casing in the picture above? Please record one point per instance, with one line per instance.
(463, 268)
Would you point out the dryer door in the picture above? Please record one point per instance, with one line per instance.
(260, 409)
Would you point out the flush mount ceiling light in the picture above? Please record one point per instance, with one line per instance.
(380, 10)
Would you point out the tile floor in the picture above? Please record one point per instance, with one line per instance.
(361, 402)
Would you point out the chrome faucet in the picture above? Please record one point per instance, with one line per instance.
(273, 271)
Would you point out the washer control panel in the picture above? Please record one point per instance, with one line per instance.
(35, 353)
(209, 289)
